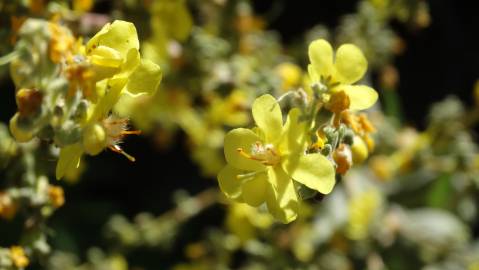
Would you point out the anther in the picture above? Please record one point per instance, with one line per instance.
(117, 149)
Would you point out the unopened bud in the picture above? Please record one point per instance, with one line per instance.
(359, 150)
(29, 101)
(94, 139)
(20, 134)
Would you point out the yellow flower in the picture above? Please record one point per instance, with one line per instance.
(263, 162)
(339, 72)
(230, 110)
(362, 209)
(290, 75)
(474, 265)
(19, 259)
(82, 5)
(114, 53)
(169, 21)
(56, 195)
(8, 208)
(243, 221)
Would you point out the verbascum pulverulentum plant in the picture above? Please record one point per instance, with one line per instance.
(274, 162)
(66, 91)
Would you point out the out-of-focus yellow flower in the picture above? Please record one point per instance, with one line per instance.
(303, 248)
(263, 162)
(117, 262)
(36, 6)
(230, 111)
(290, 75)
(19, 259)
(474, 266)
(409, 143)
(340, 71)
(362, 209)
(82, 5)
(56, 195)
(246, 22)
(170, 21)
(389, 77)
(422, 17)
(243, 221)
(382, 167)
(381, 4)
(8, 209)
(195, 251)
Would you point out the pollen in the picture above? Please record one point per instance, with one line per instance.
(116, 129)
(264, 153)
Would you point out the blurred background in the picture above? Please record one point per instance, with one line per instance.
(164, 211)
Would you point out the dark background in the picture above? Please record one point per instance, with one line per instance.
(438, 61)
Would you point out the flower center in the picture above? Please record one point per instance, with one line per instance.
(264, 153)
(117, 128)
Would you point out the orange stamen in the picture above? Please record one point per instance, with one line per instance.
(242, 152)
(131, 132)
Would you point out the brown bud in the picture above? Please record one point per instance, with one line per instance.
(28, 101)
(343, 158)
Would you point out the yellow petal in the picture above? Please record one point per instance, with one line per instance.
(69, 160)
(106, 56)
(112, 90)
(293, 138)
(229, 183)
(361, 97)
(281, 196)
(267, 116)
(254, 190)
(350, 64)
(313, 76)
(132, 62)
(145, 79)
(241, 138)
(314, 171)
(321, 57)
(119, 35)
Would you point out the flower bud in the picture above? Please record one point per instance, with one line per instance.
(348, 137)
(359, 150)
(343, 159)
(20, 134)
(29, 101)
(94, 139)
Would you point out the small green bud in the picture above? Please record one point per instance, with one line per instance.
(342, 130)
(69, 133)
(327, 150)
(330, 133)
(81, 111)
(348, 137)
